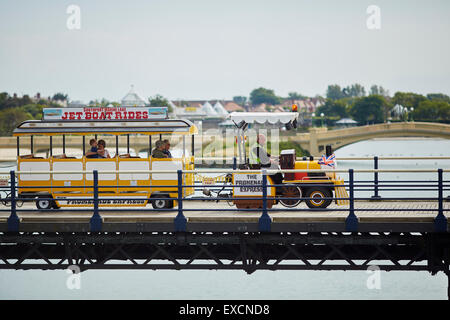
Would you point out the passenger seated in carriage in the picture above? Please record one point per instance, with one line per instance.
(158, 152)
(102, 152)
(92, 153)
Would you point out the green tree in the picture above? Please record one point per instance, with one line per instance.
(3, 100)
(334, 108)
(378, 90)
(263, 95)
(159, 101)
(408, 99)
(241, 100)
(334, 92)
(60, 97)
(35, 110)
(10, 119)
(432, 111)
(355, 90)
(6, 101)
(438, 97)
(295, 96)
(369, 109)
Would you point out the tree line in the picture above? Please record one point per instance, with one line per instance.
(14, 109)
(378, 106)
(372, 106)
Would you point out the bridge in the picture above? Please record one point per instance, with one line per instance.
(395, 233)
(317, 138)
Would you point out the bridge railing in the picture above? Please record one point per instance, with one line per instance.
(265, 211)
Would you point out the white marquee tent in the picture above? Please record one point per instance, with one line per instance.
(209, 110)
(220, 109)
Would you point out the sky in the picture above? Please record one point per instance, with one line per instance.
(207, 49)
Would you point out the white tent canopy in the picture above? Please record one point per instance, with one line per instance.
(208, 109)
(346, 121)
(263, 117)
(220, 109)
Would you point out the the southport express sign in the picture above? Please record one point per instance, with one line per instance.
(106, 113)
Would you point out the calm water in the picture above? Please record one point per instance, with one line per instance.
(261, 284)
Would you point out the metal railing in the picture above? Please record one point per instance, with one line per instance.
(264, 225)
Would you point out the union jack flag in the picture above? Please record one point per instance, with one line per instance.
(328, 161)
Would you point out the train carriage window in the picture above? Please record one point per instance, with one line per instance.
(56, 148)
(133, 146)
(24, 147)
(67, 147)
(38, 146)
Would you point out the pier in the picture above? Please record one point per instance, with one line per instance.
(396, 233)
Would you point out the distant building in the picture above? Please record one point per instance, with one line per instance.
(232, 106)
(38, 98)
(199, 109)
(259, 108)
(308, 105)
(279, 109)
(132, 99)
(188, 103)
(76, 104)
(188, 109)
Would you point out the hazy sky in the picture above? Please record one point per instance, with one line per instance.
(192, 49)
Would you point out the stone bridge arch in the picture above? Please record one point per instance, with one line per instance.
(317, 138)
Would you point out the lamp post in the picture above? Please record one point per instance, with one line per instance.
(312, 119)
(411, 112)
(321, 116)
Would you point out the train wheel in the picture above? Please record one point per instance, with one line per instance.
(162, 203)
(170, 204)
(44, 203)
(291, 191)
(318, 194)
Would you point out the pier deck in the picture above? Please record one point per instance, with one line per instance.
(414, 216)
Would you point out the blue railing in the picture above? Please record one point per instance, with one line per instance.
(265, 221)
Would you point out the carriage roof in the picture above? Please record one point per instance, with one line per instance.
(263, 117)
(113, 127)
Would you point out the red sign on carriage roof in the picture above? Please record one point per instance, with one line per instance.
(106, 113)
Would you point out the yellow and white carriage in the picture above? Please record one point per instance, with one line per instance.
(60, 180)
